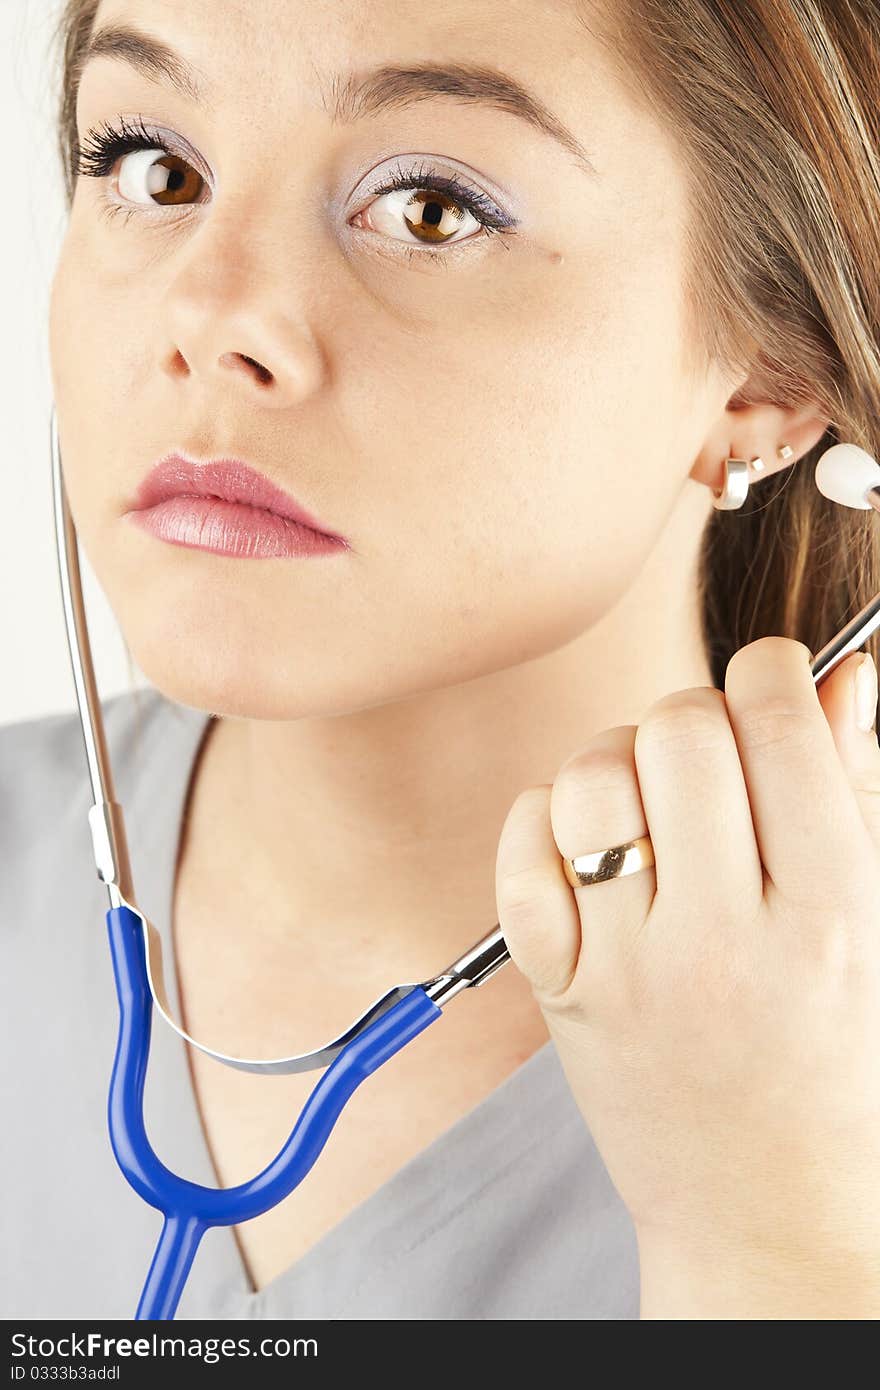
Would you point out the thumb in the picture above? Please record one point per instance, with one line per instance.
(849, 700)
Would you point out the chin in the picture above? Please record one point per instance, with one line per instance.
(220, 649)
(232, 684)
(250, 675)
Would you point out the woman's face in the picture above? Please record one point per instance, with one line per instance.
(499, 422)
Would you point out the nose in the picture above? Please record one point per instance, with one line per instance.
(239, 324)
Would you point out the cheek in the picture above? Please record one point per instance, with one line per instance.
(73, 383)
(590, 448)
(90, 347)
(524, 482)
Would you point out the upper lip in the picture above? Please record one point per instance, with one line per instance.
(230, 479)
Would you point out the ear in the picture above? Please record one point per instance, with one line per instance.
(748, 428)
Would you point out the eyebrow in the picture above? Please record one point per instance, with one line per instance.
(355, 96)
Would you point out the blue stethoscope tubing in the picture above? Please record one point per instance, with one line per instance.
(190, 1209)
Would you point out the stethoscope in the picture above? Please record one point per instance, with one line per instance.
(845, 474)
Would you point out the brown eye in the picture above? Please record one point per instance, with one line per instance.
(154, 177)
(423, 215)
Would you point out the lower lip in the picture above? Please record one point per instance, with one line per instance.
(231, 528)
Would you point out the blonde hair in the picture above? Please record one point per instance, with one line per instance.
(774, 105)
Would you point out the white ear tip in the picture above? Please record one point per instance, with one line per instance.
(844, 473)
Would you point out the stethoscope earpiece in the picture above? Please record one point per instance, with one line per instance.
(847, 474)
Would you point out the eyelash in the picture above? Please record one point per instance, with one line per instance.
(96, 155)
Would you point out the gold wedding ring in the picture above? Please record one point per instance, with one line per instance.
(602, 864)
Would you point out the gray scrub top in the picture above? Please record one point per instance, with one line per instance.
(510, 1213)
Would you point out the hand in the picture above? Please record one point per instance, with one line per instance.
(718, 1015)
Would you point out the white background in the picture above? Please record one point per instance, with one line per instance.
(35, 675)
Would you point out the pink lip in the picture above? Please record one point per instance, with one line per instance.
(227, 507)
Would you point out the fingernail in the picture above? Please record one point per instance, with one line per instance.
(866, 693)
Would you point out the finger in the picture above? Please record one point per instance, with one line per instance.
(697, 804)
(810, 833)
(595, 805)
(857, 748)
(536, 909)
